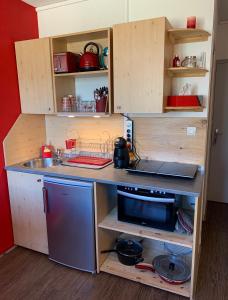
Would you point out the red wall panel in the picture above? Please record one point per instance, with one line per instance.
(18, 22)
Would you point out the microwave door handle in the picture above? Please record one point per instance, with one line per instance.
(145, 198)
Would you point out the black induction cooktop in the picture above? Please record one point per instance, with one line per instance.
(164, 168)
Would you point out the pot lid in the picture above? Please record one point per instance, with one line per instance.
(172, 268)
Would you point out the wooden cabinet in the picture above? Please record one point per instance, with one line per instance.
(109, 229)
(142, 52)
(41, 90)
(34, 66)
(29, 220)
(82, 84)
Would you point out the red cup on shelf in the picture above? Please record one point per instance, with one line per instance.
(70, 143)
(191, 22)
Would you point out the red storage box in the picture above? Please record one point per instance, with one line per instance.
(183, 101)
(66, 62)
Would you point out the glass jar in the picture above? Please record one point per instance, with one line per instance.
(73, 103)
(189, 62)
(66, 104)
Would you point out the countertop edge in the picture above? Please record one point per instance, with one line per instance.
(49, 173)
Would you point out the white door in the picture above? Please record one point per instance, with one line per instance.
(218, 178)
(29, 219)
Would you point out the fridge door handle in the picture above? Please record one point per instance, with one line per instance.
(45, 200)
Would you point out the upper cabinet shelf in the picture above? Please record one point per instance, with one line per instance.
(83, 84)
(83, 74)
(187, 35)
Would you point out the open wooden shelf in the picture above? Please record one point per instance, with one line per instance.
(113, 266)
(111, 222)
(188, 35)
(184, 108)
(70, 83)
(83, 74)
(187, 72)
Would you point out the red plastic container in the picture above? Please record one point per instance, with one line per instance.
(102, 104)
(46, 151)
(183, 101)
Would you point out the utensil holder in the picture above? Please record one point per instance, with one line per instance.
(102, 104)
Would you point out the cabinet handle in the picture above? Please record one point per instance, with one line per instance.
(45, 200)
(49, 108)
(38, 180)
(118, 107)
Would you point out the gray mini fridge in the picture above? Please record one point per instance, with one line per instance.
(69, 208)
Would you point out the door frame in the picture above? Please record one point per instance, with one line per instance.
(210, 130)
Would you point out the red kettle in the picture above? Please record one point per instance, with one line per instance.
(89, 60)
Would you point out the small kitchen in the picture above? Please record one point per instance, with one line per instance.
(107, 163)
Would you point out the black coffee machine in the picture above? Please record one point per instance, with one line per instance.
(121, 153)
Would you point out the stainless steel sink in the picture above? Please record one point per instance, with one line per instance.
(41, 163)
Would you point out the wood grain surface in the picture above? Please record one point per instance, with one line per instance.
(35, 76)
(166, 139)
(24, 139)
(139, 63)
(27, 209)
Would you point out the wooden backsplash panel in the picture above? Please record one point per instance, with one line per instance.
(156, 138)
(166, 139)
(58, 129)
(24, 139)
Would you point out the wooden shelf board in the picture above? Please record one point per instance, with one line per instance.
(83, 74)
(184, 108)
(187, 72)
(113, 266)
(187, 35)
(110, 222)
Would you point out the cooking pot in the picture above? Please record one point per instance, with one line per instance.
(89, 60)
(129, 252)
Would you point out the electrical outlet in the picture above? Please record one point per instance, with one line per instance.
(128, 131)
(191, 131)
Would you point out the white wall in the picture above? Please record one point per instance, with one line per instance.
(175, 10)
(81, 15)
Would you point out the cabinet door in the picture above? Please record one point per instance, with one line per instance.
(29, 220)
(34, 66)
(138, 49)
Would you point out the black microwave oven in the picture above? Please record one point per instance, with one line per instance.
(150, 208)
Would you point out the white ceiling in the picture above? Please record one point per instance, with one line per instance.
(38, 3)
